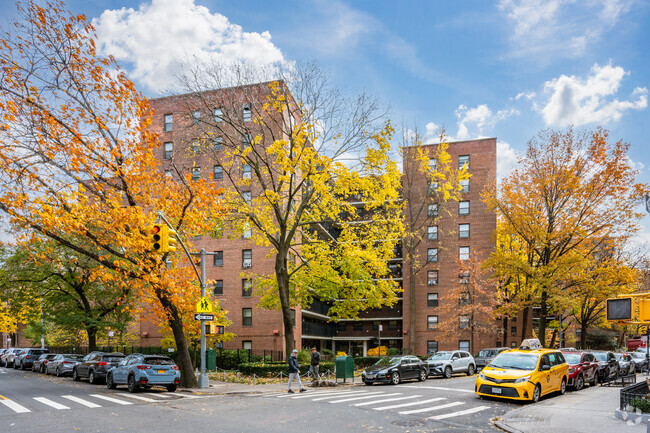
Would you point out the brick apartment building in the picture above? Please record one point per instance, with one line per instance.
(177, 121)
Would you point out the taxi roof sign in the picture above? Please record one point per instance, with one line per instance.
(204, 305)
(530, 344)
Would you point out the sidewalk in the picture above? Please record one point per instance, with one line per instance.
(225, 388)
(587, 411)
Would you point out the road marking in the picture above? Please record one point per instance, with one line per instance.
(331, 394)
(180, 394)
(161, 395)
(51, 403)
(427, 409)
(368, 395)
(288, 394)
(335, 396)
(138, 397)
(387, 400)
(111, 399)
(459, 413)
(395, 406)
(81, 401)
(438, 387)
(14, 406)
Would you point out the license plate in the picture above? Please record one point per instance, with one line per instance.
(161, 371)
(370, 376)
(496, 390)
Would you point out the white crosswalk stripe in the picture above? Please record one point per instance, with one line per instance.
(111, 399)
(51, 403)
(440, 388)
(335, 396)
(460, 413)
(363, 397)
(326, 394)
(15, 406)
(81, 401)
(415, 403)
(309, 394)
(386, 400)
(139, 397)
(432, 408)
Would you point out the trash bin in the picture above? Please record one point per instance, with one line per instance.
(344, 368)
(210, 359)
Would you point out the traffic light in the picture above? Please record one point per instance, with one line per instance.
(168, 240)
(631, 309)
(155, 236)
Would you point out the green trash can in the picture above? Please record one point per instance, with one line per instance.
(210, 359)
(344, 368)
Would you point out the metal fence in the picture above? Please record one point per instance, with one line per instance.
(637, 392)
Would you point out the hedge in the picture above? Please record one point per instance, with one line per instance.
(273, 369)
(365, 361)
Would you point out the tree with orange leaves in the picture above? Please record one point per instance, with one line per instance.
(78, 164)
(574, 193)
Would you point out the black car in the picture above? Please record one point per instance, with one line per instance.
(394, 369)
(640, 361)
(608, 366)
(26, 358)
(95, 365)
(40, 363)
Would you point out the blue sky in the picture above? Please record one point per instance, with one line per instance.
(504, 69)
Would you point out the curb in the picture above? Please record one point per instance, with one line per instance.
(505, 427)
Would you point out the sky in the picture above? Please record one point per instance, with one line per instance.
(503, 68)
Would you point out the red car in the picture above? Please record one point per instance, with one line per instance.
(583, 368)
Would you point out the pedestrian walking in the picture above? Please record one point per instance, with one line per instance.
(294, 371)
(314, 368)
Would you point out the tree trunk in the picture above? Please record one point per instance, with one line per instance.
(282, 278)
(542, 319)
(583, 336)
(92, 338)
(412, 318)
(524, 326)
(552, 343)
(505, 331)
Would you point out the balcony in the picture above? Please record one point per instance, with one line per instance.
(319, 307)
(318, 330)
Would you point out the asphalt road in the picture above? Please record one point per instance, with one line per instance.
(31, 402)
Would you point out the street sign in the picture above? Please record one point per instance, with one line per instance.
(204, 305)
(204, 316)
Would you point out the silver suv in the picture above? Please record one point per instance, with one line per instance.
(446, 363)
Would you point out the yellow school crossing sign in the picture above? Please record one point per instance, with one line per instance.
(204, 305)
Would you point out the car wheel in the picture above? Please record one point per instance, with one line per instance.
(22, 365)
(594, 382)
(606, 376)
(75, 375)
(423, 375)
(537, 393)
(133, 387)
(368, 383)
(395, 379)
(632, 369)
(447, 373)
(171, 388)
(57, 373)
(563, 387)
(91, 377)
(109, 381)
(33, 368)
(42, 368)
(471, 370)
(580, 383)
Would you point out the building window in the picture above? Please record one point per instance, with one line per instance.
(168, 173)
(357, 326)
(218, 172)
(246, 287)
(463, 231)
(432, 347)
(375, 325)
(246, 196)
(247, 345)
(218, 288)
(246, 171)
(578, 332)
(432, 278)
(247, 316)
(464, 299)
(169, 150)
(247, 258)
(463, 208)
(463, 277)
(432, 255)
(432, 210)
(196, 117)
(246, 140)
(392, 325)
(432, 322)
(341, 326)
(218, 258)
(463, 161)
(432, 300)
(169, 122)
(463, 345)
(292, 313)
(246, 232)
(246, 113)
(432, 233)
(433, 187)
(218, 115)
(513, 344)
(196, 146)
(433, 164)
(463, 253)
(196, 173)
(464, 185)
(513, 331)
(218, 144)
(464, 322)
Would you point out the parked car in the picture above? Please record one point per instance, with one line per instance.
(608, 366)
(523, 375)
(95, 365)
(640, 360)
(394, 369)
(625, 364)
(40, 363)
(63, 364)
(583, 368)
(144, 371)
(26, 357)
(9, 356)
(446, 363)
(486, 355)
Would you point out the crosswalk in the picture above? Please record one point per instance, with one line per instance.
(66, 402)
(437, 408)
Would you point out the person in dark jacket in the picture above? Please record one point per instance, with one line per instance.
(294, 371)
(315, 363)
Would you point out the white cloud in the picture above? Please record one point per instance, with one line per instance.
(578, 101)
(475, 122)
(507, 159)
(527, 95)
(153, 39)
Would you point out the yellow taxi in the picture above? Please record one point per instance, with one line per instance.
(523, 374)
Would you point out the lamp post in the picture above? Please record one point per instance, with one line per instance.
(379, 338)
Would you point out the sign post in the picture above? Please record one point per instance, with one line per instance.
(203, 378)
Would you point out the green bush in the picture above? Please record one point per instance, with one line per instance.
(272, 370)
(394, 351)
(326, 355)
(365, 361)
(641, 404)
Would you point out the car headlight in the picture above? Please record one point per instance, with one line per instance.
(363, 373)
(523, 379)
(572, 370)
(482, 376)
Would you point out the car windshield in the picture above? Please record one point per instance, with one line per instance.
(440, 355)
(39, 352)
(572, 358)
(388, 360)
(519, 361)
(113, 358)
(159, 361)
(73, 357)
(638, 355)
(486, 353)
(621, 356)
(601, 356)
